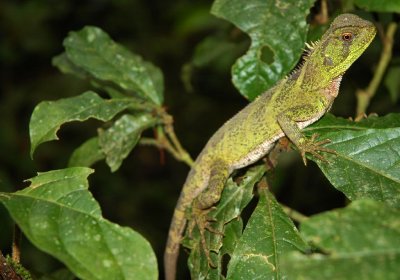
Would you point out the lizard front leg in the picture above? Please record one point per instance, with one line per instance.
(288, 122)
(203, 203)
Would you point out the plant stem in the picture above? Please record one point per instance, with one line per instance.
(170, 143)
(161, 143)
(16, 244)
(364, 96)
(166, 138)
(183, 154)
(322, 17)
(295, 215)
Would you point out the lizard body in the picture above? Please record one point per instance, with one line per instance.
(294, 103)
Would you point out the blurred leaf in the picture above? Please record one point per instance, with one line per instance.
(94, 51)
(118, 141)
(278, 31)
(367, 163)
(87, 154)
(268, 235)
(361, 241)
(315, 32)
(210, 49)
(48, 116)
(66, 66)
(392, 82)
(389, 6)
(193, 18)
(234, 199)
(61, 274)
(59, 215)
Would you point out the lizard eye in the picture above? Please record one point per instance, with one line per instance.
(347, 36)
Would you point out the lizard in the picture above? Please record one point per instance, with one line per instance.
(295, 102)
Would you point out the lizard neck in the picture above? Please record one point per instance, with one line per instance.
(316, 75)
(332, 89)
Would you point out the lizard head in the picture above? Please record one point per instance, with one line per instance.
(345, 40)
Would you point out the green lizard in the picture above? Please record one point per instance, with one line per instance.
(292, 104)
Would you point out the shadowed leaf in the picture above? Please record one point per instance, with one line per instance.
(361, 241)
(59, 215)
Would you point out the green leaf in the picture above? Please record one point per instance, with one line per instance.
(95, 52)
(392, 82)
(61, 274)
(48, 116)
(66, 66)
(214, 49)
(361, 241)
(87, 154)
(278, 31)
(234, 199)
(368, 155)
(113, 144)
(118, 141)
(59, 215)
(389, 6)
(268, 235)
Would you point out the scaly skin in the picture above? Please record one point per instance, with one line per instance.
(294, 103)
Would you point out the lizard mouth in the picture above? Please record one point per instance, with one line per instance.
(367, 41)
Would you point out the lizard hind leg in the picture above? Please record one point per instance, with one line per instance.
(205, 201)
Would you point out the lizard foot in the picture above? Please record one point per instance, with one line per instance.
(314, 147)
(203, 222)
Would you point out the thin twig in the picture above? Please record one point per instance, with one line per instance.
(183, 155)
(295, 215)
(165, 138)
(322, 17)
(161, 144)
(364, 96)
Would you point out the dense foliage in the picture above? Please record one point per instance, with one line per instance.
(134, 114)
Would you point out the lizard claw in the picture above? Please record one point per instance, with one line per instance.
(203, 222)
(314, 147)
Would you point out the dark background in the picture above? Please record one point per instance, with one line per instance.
(143, 192)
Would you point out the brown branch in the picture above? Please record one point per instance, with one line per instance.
(7, 272)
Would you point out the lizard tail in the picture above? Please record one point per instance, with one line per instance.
(176, 229)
